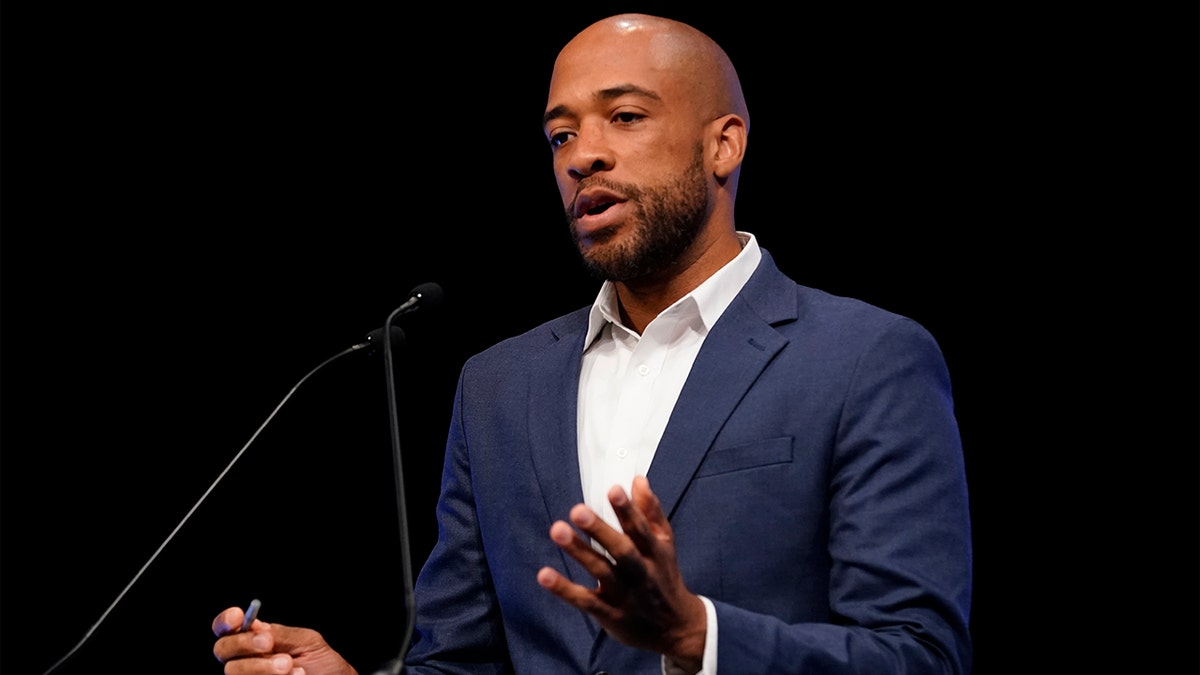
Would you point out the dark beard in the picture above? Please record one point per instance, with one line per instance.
(666, 220)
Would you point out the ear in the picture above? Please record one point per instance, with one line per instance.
(730, 133)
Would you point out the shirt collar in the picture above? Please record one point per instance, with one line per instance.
(710, 298)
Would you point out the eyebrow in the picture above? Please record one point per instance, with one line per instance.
(603, 95)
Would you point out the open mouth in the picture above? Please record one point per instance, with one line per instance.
(598, 209)
(594, 203)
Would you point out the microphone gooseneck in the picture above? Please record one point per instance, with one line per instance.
(374, 337)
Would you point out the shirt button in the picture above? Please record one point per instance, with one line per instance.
(622, 453)
(643, 369)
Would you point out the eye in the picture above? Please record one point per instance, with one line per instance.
(627, 117)
(557, 139)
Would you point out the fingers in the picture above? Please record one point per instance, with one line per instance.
(632, 549)
(644, 528)
(647, 504)
(549, 579)
(241, 645)
(591, 600)
(274, 648)
(640, 597)
(579, 548)
(642, 520)
(599, 599)
(593, 526)
(228, 621)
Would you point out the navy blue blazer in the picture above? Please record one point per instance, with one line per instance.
(812, 471)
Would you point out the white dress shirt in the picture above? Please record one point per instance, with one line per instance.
(629, 385)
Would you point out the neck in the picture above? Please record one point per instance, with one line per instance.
(643, 299)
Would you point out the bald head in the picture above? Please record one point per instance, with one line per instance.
(647, 127)
(674, 49)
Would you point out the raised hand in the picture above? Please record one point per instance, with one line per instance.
(640, 597)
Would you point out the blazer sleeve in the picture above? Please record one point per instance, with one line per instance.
(899, 531)
(458, 622)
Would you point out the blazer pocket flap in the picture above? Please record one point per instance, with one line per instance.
(747, 456)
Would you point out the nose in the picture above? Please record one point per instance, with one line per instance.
(589, 153)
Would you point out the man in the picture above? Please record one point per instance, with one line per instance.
(712, 469)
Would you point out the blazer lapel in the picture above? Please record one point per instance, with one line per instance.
(553, 438)
(735, 353)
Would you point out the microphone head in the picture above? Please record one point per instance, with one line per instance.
(375, 337)
(428, 295)
(424, 296)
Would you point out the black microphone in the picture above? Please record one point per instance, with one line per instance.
(424, 295)
(376, 336)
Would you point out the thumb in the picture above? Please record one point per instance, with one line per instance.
(228, 621)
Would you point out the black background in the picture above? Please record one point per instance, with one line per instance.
(202, 203)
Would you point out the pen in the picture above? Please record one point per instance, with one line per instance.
(251, 613)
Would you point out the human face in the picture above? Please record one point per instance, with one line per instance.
(627, 154)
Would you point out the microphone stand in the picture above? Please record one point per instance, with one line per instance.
(401, 504)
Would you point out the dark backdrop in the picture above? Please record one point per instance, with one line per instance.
(202, 204)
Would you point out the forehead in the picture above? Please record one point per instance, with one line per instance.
(589, 66)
